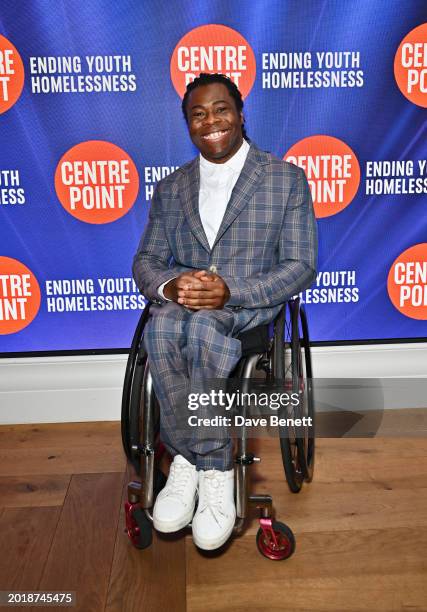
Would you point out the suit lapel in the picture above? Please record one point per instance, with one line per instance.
(189, 196)
(244, 188)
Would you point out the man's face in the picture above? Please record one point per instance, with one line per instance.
(213, 121)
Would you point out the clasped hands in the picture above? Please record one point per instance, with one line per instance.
(199, 290)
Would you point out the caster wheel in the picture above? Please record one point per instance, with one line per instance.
(276, 542)
(138, 526)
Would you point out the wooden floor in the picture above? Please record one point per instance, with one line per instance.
(361, 529)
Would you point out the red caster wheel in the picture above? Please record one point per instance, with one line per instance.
(138, 526)
(275, 540)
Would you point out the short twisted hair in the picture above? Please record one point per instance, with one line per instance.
(206, 79)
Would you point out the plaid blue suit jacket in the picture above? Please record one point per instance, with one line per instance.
(266, 246)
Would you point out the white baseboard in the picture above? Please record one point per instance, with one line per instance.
(88, 388)
(371, 361)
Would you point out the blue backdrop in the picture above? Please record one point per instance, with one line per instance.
(375, 120)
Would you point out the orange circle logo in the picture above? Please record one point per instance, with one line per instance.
(19, 296)
(11, 74)
(410, 66)
(332, 170)
(213, 48)
(96, 182)
(407, 282)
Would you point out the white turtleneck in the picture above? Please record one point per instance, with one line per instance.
(216, 184)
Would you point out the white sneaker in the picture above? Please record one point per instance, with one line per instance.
(175, 503)
(216, 513)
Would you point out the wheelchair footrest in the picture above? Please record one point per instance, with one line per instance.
(264, 503)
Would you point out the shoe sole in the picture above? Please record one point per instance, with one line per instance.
(212, 545)
(171, 527)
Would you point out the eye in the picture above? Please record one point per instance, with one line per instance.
(221, 109)
(197, 114)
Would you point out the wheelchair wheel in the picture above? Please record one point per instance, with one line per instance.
(132, 390)
(134, 412)
(277, 546)
(133, 400)
(138, 526)
(307, 402)
(297, 443)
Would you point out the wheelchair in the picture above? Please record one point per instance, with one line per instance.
(280, 353)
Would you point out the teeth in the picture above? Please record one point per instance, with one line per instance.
(215, 135)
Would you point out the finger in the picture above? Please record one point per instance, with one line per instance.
(191, 284)
(202, 294)
(202, 289)
(200, 273)
(208, 285)
(184, 279)
(202, 300)
(197, 302)
(206, 275)
(209, 278)
(215, 307)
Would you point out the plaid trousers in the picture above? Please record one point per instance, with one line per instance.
(185, 350)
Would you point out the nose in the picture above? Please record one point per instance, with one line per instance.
(209, 118)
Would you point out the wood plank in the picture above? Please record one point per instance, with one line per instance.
(62, 460)
(408, 422)
(382, 570)
(152, 579)
(357, 485)
(389, 445)
(97, 433)
(390, 472)
(82, 550)
(314, 510)
(33, 490)
(25, 539)
(352, 460)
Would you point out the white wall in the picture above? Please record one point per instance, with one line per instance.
(88, 388)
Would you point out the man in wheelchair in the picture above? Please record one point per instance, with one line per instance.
(231, 236)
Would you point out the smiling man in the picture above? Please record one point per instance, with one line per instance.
(231, 236)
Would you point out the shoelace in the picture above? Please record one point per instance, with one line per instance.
(179, 476)
(214, 493)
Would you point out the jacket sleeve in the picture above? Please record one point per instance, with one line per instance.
(296, 269)
(151, 262)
